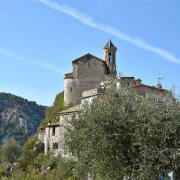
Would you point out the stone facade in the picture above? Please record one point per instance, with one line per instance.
(51, 138)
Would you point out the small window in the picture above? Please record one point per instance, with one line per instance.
(53, 131)
(55, 145)
(70, 89)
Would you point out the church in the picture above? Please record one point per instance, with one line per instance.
(88, 72)
(83, 85)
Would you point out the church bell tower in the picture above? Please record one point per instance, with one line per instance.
(110, 57)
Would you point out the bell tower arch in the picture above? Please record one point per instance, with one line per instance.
(110, 56)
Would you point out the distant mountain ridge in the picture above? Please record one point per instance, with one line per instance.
(19, 118)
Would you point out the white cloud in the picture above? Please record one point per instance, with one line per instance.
(44, 65)
(89, 21)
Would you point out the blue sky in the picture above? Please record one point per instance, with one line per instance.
(40, 38)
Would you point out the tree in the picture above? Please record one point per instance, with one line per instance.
(126, 134)
(29, 153)
(10, 151)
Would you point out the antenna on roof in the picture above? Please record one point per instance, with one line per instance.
(160, 78)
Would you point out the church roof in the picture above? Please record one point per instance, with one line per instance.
(109, 44)
(87, 57)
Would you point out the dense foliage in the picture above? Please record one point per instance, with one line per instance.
(125, 134)
(19, 118)
(33, 164)
(10, 151)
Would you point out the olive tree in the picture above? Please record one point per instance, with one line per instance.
(124, 133)
(10, 150)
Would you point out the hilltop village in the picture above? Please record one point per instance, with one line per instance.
(82, 85)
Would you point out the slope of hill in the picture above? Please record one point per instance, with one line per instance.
(52, 113)
(19, 118)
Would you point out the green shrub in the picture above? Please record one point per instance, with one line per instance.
(10, 151)
(3, 168)
(52, 113)
(29, 153)
(124, 133)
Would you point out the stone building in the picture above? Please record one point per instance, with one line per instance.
(82, 86)
(88, 72)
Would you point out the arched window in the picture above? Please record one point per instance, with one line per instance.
(70, 89)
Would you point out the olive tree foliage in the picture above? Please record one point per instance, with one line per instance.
(10, 151)
(126, 134)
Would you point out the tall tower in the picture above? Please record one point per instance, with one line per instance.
(110, 56)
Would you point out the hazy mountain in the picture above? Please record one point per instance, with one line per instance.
(19, 118)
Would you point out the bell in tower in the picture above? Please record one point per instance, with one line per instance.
(110, 57)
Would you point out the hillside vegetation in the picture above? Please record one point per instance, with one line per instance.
(31, 162)
(19, 118)
(52, 113)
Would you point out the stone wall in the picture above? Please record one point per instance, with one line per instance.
(88, 97)
(88, 75)
(69, 91)
(144, 89)
(64, 119)
(51, 139)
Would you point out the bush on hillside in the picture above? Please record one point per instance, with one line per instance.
(52, 113)
(10, 151)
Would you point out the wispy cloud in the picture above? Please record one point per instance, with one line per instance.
(42, 64)
(89, 21)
